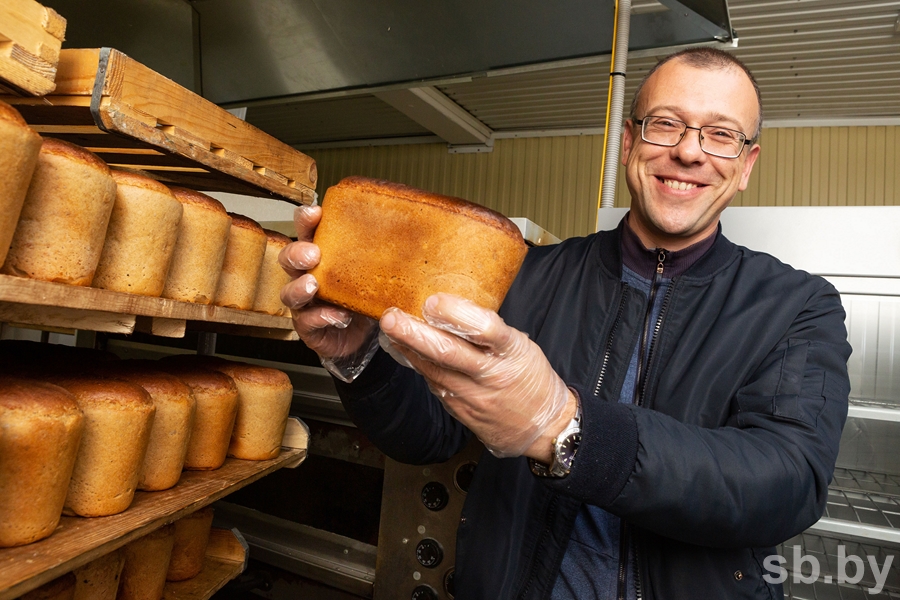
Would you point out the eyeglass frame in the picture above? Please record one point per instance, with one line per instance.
(747, 140)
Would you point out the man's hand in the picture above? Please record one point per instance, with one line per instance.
(488, 375)
(331, 332)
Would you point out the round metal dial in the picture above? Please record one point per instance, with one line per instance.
(449, 585)
(424, 592)
(435, 495)
(429, 553)
(463, 476)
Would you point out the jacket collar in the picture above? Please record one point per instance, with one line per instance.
(716, 257)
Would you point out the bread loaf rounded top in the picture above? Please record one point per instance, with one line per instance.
(73, 152)
(245, 223)
(36, 397)
(201, 379)
(255, 374)
(8, 113)
(454, 205)
(110, 393)
(276, 238)
(186, 196)
(135, 179)
(157, 383)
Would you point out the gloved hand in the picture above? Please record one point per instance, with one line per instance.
(344, 340)
(488, 375)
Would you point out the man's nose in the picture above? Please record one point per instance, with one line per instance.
(688, 150)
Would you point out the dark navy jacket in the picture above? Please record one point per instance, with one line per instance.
(730, 454)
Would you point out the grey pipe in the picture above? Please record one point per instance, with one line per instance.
(617, 92)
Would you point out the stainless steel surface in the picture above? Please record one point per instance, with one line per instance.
(406, 523)
(870, 445)
(271, 48)
(861, 515)
(882, 484)
(533, 233)
(319, 555)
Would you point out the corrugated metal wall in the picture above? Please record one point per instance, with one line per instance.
(554, 181)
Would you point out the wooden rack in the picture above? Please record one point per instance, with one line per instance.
(132, 116)
(78, 540)
(31, 36)
(61, 306)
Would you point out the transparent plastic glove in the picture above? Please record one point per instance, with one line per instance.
(345, 341)
(488, 375)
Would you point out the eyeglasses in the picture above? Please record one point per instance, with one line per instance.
(716, 141)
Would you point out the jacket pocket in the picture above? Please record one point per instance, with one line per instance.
(785, 388)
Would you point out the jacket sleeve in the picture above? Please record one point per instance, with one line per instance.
(393, 406)
(758, 480)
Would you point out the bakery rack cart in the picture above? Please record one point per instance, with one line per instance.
(134, 117)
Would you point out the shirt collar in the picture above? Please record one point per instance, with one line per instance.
(643, 260)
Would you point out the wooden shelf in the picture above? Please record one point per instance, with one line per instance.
(31, 36)
(226, 558)
(79, 540)
(61, 306)
(134, 117)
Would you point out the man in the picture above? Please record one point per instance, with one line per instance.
(673, 412)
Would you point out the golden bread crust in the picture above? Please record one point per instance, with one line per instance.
(245, 223)
(387, 245)
(186, 196)
(135, 179)
(11, 115)
(276, 238)
(76, 153)
(39, 398)
(107, 393)
(246, 373)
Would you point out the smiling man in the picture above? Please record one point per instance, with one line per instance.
(660, 407)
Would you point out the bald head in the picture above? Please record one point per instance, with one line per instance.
(711, 59)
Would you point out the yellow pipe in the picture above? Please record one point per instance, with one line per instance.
(612, 68)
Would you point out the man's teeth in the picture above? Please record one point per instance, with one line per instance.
(679, 185)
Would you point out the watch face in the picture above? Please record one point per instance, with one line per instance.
(566, 448)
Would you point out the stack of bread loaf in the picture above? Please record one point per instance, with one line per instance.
(83, 438)
(65, 216)
(140, 569)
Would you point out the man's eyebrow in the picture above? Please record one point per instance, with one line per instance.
(707, 119)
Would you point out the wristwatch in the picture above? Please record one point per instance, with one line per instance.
(565, 446)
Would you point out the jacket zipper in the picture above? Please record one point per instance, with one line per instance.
(645, 333)
(648, 342)
(609, 340)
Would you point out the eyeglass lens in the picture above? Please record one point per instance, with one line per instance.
(717, 141)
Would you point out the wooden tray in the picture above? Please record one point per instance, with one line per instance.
(61, 306)
(78, 540)
(134, 117)
(31, 36)
(226, 558)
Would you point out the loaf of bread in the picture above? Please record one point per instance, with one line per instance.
(19, 149)
(140, 237)
(63, 221)
(99, 579)
(118, 416)
(243, 259)
(172, 425)
(217, 400)
(146, 565)
(200, 249)
(191, 539)
(264, 402)
(40, 430)
(272, 277)
(385, 244)
(61, 588)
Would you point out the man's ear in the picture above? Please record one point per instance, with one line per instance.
(752, 155)
(627, 140)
